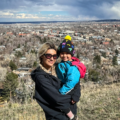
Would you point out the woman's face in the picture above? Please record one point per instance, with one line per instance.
(49, 58)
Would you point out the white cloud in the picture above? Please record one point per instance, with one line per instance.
(116, 9)
(82, 17)
(6, 13)
(17, 16)
(50, 15)
(26, 16)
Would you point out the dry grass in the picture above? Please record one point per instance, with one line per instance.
(22, 112)
(97, 103)
(101, 103)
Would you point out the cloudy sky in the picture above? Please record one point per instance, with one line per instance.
(58, 10)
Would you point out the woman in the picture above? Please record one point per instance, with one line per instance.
(55, 105)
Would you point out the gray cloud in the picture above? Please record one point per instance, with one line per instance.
(11, 4)
(94, 8)
(101, 9)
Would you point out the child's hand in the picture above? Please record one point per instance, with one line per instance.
(73, 102)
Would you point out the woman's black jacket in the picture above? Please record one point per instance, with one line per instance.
(47, 95)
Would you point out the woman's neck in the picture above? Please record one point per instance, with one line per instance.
(47, 67)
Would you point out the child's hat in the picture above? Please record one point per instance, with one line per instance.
(66, 46)
(67, 37)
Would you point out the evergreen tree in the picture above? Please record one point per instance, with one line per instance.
(111, 40)
(9, 86)
(18, 54)
(114, 60)
(12, 65)
(40, 38)
(25, 45)
(117, 52)
(35, 64)
(45, 40)
(78, 55)
(93, 75)
(90, 38)
(84, 37)
(104, 54)
(18, 46)
(33, 51)
(24, 93)
(97, 59)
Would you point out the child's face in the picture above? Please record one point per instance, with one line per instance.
(65, 56)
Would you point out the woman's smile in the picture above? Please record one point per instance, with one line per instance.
(48, 63)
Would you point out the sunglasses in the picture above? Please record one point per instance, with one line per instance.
(48, 56)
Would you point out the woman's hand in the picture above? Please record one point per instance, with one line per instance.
(75, 118)
(72, 116)
(73, 102)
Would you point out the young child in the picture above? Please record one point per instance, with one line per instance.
(68, 70)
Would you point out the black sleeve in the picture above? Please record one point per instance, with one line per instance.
(51, 95)
(77, 92)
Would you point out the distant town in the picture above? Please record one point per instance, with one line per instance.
(97, 45)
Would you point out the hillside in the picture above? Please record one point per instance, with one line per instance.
(96, 103)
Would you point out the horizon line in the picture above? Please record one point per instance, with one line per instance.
(60, 21)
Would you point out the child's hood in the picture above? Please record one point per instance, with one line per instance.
(75, 61)
(81, 67)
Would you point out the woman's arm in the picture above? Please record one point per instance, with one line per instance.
(77, 93)
(50, 95)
